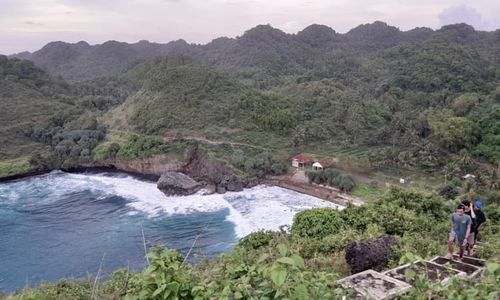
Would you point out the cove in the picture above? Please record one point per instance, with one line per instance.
(62, 225)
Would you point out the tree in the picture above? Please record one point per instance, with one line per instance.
(453, 133)
(464, 103)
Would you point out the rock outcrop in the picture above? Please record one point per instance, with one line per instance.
(154, 166)
(213, 173)
(175, 183)
(371, 254)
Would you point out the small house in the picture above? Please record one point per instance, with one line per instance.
(300, 161)
(317, 166)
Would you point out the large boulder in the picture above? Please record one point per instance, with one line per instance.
(371, 254)
(212, 172)
(175, 183)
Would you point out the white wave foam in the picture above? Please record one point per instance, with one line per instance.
(261, 207)
(258, 208)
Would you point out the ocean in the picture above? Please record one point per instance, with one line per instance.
(65, 225)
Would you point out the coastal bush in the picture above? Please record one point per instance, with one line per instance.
(332, 177)
(14, 167)
(317, 222)
(310, 247)
(68, 147)
(256, 240)
(259, 165)
(62, 290)
(139, 147)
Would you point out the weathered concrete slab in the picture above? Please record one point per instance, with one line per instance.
(471, 270)
(432, 272)
(472, 261)
(374, 285)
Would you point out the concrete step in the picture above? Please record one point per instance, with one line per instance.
(432, 272)
(471, 271)
(472, 260)
(371, 284)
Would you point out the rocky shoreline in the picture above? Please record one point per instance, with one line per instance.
(213, 176)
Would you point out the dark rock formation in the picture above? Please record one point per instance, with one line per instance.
(175, 183)
(371, 254)
(215, 173)
(252, 182)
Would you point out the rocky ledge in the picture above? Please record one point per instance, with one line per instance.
(175, 183)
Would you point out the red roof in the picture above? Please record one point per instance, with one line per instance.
(302, 158)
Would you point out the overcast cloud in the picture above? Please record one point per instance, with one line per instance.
(30, 24)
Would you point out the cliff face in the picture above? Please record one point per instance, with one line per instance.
(156, 165)
(215, 174)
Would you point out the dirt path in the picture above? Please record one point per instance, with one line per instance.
(298, 182)
(212, 142)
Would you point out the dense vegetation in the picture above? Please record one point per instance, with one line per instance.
(418, 99)
(304, 262)
(333, 177)
(423, 101)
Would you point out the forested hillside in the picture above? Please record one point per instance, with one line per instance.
(27, 94)
(420, 99)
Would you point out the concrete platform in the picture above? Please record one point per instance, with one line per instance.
(472, 261)
(370, 284)
(471, 271)
(432, 272)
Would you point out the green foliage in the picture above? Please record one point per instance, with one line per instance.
(138, 147)
(448, 191)
(454, 133)
(318, 222)
(484, 288)
(68, 147)
(332, 177)
(488, 118)
(62, 290)
(9, 168)
(367, 192)
(258, 165)
(463, 104)
(256, 240)
(167, 277)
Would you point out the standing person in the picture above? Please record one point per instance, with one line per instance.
(480, 218)
(469, 210)
(460, 230)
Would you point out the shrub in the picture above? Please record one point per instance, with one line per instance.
(332, 177)
(257, 240)
(112, 150)
(317, 223)
(448, 191)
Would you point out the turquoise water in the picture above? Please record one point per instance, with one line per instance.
(62, 225)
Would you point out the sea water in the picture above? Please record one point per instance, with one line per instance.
(62, 225)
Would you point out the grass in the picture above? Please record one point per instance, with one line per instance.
(367, 192)
(14, 167)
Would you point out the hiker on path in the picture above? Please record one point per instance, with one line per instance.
(480, 218)
(469, 210)
(460, 230)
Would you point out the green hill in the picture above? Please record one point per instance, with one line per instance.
(27, 95)
(411, 99)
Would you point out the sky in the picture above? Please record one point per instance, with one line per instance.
(27, 25)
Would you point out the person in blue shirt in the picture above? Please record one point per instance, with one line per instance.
(460, 230)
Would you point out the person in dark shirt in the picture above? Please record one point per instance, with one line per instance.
(460, 230)
(480, 218)
(469, 210)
